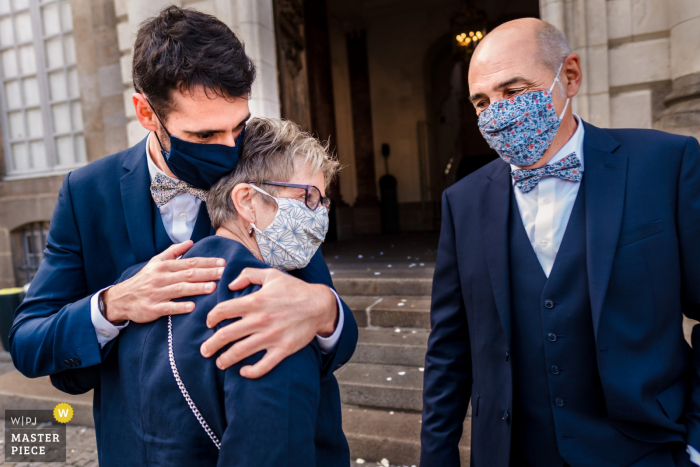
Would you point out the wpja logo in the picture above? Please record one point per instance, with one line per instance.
(37, 435)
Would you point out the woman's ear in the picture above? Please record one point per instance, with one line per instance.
(242, 196)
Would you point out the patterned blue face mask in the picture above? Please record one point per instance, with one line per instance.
(520, 129)
(293, 236)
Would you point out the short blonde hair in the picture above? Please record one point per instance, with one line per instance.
(271, 146)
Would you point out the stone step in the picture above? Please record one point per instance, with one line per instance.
(390, 311)
(381, 386)
(409, 286)
(17, 392)
(374, 435)
(391, 347)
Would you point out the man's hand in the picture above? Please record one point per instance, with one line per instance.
(147, 296)
(282, 318)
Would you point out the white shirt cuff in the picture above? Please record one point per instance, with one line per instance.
(327, 344)
(694, 455)
(104, 330)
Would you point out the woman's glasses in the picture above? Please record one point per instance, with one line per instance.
(312, 195)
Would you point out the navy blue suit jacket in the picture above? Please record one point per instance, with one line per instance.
(289, 417)
(643, 259)
(101, 226)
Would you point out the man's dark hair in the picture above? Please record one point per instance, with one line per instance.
(181, 49)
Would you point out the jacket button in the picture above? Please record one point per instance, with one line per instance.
(507, 355)
(505, 416)
(559, 402)
(77, 361)
(68, 362)
(551, 337)
(555, 370)
(549, 304)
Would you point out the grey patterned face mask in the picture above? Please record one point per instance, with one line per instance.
(293, 236)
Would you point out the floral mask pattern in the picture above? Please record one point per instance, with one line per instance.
(293, 236)
(520, 129)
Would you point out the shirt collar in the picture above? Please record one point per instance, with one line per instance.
(152, 167)
(575, 144)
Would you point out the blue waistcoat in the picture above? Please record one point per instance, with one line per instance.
(559, 411)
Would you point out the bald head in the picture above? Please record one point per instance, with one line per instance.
(539, 41)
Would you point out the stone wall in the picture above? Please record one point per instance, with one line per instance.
(33, 200)
(640, 61)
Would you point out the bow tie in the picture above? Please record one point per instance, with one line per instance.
(567, 169)
(163, 190)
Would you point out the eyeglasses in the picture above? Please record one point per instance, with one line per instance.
(312, 195)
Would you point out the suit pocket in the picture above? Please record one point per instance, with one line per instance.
(640, 233)
(672, 400)
(475, 401)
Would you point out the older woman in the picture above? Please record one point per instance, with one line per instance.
(175, 407)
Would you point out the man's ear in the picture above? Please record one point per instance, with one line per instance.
(572, 70)
(242, 196)
(144, 112)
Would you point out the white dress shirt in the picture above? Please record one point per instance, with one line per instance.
(179, 217)
(546, 210)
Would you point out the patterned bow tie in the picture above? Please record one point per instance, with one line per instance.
(163, 190)
(567, 169)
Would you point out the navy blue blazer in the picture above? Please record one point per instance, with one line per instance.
(101, 226)
(643, 258)
(286, 418)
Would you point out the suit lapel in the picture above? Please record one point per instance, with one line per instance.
(606, 175)
(138, 204)
(494, 216)
(202, 228)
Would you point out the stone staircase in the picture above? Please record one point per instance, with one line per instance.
(381, 388)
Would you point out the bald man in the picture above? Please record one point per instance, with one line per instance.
(563, 273)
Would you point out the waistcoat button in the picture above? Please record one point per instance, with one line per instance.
(559, 402)
(551, 337)
(548, 304)
(505, 415)
(555, 370)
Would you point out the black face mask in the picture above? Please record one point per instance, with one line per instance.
(200, 165)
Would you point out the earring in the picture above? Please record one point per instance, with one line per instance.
(250, 232)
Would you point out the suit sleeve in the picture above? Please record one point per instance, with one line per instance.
(82, 380)
(317, 273)
(53, 326)
(447, 376)
(688, 234)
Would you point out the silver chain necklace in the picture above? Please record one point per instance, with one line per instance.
(183, 390)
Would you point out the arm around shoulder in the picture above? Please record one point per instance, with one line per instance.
(53, 330)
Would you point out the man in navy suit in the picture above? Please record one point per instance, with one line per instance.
(563, 273)
(144, 206)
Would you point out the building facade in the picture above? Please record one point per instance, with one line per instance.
(384, 80)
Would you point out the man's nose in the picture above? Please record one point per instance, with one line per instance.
(229, 140)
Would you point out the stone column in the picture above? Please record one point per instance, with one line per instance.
(291, 62)
(366, 208)
(97, 52)
(585, 25)
(322, 105)
(682, 113)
